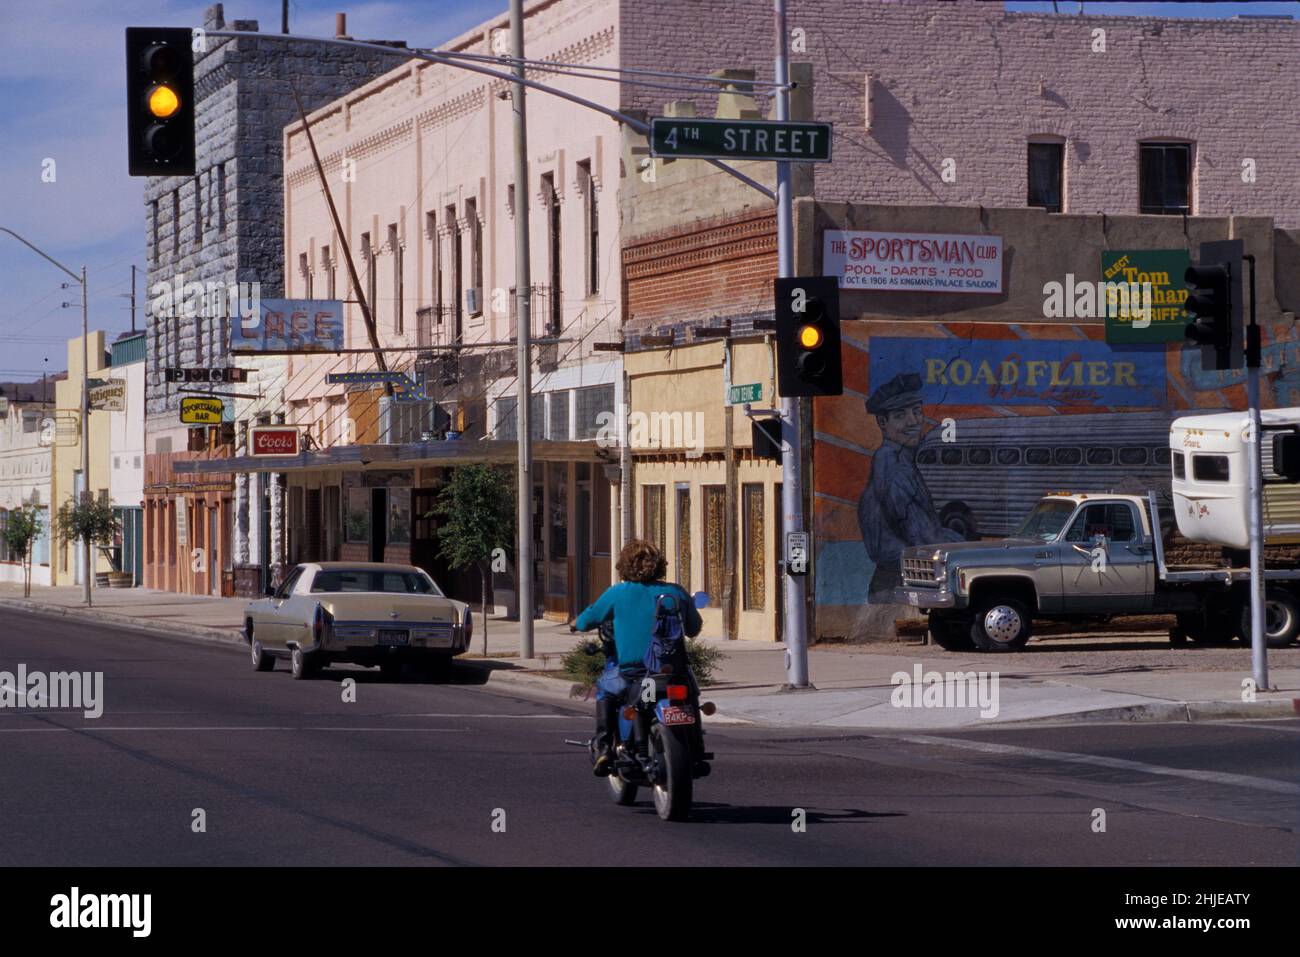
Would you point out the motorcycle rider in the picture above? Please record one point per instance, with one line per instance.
(632, 603)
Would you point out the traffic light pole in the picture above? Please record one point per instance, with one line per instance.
(795, 622)
(1255, 492)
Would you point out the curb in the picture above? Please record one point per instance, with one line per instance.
(1187, 711)
(160, 629)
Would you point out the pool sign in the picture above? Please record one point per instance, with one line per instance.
(690, 137)
(914, 262)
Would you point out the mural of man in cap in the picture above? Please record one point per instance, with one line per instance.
(896, 509)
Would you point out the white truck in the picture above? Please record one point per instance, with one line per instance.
(1083, 555)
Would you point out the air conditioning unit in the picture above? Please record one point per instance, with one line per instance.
(474, 300)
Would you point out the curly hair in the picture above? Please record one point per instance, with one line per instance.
(640, 561)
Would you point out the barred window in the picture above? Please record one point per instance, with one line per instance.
(559, 425)
(591, 402)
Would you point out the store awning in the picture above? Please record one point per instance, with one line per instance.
(412, 454)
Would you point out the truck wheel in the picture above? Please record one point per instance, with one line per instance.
(1281, 618)
(949, 633)
(1001, 624)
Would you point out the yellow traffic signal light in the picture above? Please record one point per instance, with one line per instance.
(163, 102)
(810, 337)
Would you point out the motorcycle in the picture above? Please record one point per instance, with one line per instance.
(658, 737)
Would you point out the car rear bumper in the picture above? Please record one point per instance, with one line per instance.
(388, 640)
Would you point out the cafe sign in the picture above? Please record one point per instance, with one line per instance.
(273, 440)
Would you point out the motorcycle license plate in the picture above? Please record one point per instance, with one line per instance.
(676, 715)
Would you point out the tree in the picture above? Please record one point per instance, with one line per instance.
(91, 521)
(477, 510)
(23, 528)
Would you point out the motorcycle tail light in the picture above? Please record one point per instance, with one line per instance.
(708, 708)
(629, 712)
(677, 692)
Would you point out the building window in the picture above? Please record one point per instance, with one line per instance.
(1046, 175)
(1165, 178)
(221, 197)
(356, 517)
(176, 221)
(551, 200)
(198, 210)
(396, 246)
(475, 255)
(435, 265)
(600, 506)
(595, 410)
(327, 268)
(457, 290)
(156, 248)
(559, 430)
(198, 342)
(591, 215)
(652, 515)
(304, 270)
(507, 422)
(715, 538)
(751, 504)
(368, 254)
(682, 573)
(537, 416)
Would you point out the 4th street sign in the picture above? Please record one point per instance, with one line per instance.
(693, 138)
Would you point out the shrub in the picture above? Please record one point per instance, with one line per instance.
(584, 662)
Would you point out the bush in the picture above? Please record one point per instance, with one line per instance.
(584, 662)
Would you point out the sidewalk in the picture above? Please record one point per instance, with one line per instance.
(854, 683)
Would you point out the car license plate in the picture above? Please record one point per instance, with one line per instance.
(393, 636)
(676, 715)
(913, 598)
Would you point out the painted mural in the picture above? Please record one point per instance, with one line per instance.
(952, 431)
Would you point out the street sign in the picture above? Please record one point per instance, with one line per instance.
(694, 138)
(796, 553)
(201, 411)
(744, 394)
(273, 440)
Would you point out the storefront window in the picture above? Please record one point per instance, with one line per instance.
(356, 520)
(751, 499)
(682, 573)
(399, 516)
(715, 530)
(652, 515)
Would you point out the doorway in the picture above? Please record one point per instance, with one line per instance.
(378, 523)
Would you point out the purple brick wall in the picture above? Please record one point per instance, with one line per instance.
(962, 82)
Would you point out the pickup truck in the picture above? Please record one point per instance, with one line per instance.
(1084, 556)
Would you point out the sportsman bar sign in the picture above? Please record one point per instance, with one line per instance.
(690, 137)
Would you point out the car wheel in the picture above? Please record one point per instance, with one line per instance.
(1001, 624)
(950, 633)
(1281, 618)
(261, 660)
(302, 665)
(391, 670)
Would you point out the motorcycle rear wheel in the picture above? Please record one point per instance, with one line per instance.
(675, 791)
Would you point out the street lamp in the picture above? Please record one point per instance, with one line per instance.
(85, 397)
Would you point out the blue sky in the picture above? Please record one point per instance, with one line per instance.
(61, 98)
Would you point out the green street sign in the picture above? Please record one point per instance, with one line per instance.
(693, 138)
(742, 394)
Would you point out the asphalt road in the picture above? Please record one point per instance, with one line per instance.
(286, 772)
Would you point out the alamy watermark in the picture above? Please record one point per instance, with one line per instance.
(1098, 300)
(56, 690)
(190, 300)
(946, 689)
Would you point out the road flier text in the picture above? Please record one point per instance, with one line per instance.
(57, 690)
(75, 909)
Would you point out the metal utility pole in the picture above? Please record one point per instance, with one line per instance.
(796, 622)
(85, 391)
(130, 295)
(1255, 491)
(523, 277)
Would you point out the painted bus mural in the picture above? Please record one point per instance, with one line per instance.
(951, 431)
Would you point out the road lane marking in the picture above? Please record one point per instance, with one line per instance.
(1096, 760)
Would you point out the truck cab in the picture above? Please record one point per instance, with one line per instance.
(1074, 554)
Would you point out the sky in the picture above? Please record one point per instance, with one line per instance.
(62, 92)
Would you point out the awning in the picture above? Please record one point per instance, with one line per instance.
(360, 457)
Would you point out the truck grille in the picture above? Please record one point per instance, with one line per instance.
(920, 571)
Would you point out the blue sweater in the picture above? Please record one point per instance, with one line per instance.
(633, 605)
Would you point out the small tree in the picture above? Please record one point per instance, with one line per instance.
(23, 528)
(477, 511)
(91, 521)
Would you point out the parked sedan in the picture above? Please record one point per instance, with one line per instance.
(363, 612)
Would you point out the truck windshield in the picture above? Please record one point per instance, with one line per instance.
(1046, 520)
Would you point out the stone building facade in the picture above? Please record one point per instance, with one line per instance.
(222, 228)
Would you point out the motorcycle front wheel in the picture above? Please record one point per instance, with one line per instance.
(621, 791)
(674, 790)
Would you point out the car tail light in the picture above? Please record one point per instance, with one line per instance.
(677, 692)
(322, 621)
(469, 625)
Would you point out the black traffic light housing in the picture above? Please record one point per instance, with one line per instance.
(808, 357)
(160, 101)
(1209, 304)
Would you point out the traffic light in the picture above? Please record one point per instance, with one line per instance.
(1209, 303)
(160, 101)
(808, 336)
